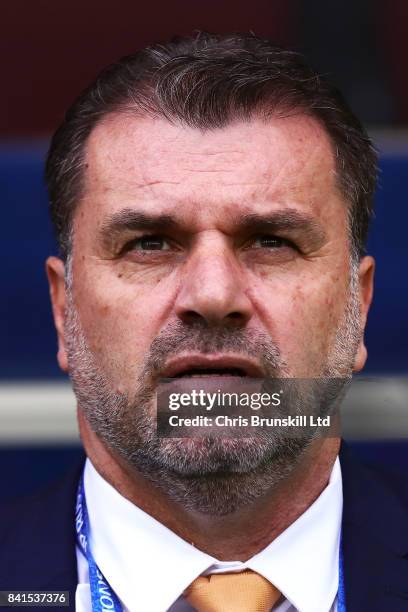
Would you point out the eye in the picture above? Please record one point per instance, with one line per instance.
(271, 242)
(149, 243)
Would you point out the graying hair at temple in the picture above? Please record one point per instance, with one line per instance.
(206, 82)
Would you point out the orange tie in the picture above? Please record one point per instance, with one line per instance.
(245, 591)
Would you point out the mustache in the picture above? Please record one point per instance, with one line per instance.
(199, 336)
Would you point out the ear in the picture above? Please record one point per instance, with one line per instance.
(366, 282)
(56, 279)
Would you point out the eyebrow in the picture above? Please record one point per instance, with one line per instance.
(287, 219)
(129, 220)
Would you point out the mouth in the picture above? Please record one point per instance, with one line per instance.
(205, 366)
(206, 372)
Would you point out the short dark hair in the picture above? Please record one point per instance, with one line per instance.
(206, 81)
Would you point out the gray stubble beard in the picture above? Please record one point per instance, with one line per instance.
(207, 475)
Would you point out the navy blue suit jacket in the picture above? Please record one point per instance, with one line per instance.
(37, 539)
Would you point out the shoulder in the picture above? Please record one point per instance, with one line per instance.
(375, 498)
(379, 466)
(374, 529)
(34, 508)
(37, 536)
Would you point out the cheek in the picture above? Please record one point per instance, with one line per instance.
(120, 321)
(301, 316)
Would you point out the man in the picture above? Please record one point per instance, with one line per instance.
(211, 198)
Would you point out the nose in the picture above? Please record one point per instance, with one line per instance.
(212, 289)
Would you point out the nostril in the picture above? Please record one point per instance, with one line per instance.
(234, 318)
(235, 315)
(191, 316)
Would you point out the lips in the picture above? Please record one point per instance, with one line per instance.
(197, 365)
(200, 372)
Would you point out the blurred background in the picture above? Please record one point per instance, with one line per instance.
(49, 52)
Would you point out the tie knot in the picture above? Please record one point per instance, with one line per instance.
(245, 591)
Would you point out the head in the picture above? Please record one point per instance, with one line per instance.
(211, 198)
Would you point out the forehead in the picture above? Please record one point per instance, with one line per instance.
(252, 165)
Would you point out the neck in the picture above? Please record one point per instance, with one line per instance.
(236, 536)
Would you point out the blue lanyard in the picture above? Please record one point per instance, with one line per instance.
(341, 594)
(103, 597)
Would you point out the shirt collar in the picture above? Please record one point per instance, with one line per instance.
(135, 549)
(303, 561)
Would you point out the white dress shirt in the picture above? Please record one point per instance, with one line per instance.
(148, 566)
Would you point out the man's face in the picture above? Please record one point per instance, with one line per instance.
(238, 235)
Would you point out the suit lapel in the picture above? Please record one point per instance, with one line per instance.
(375, 540)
